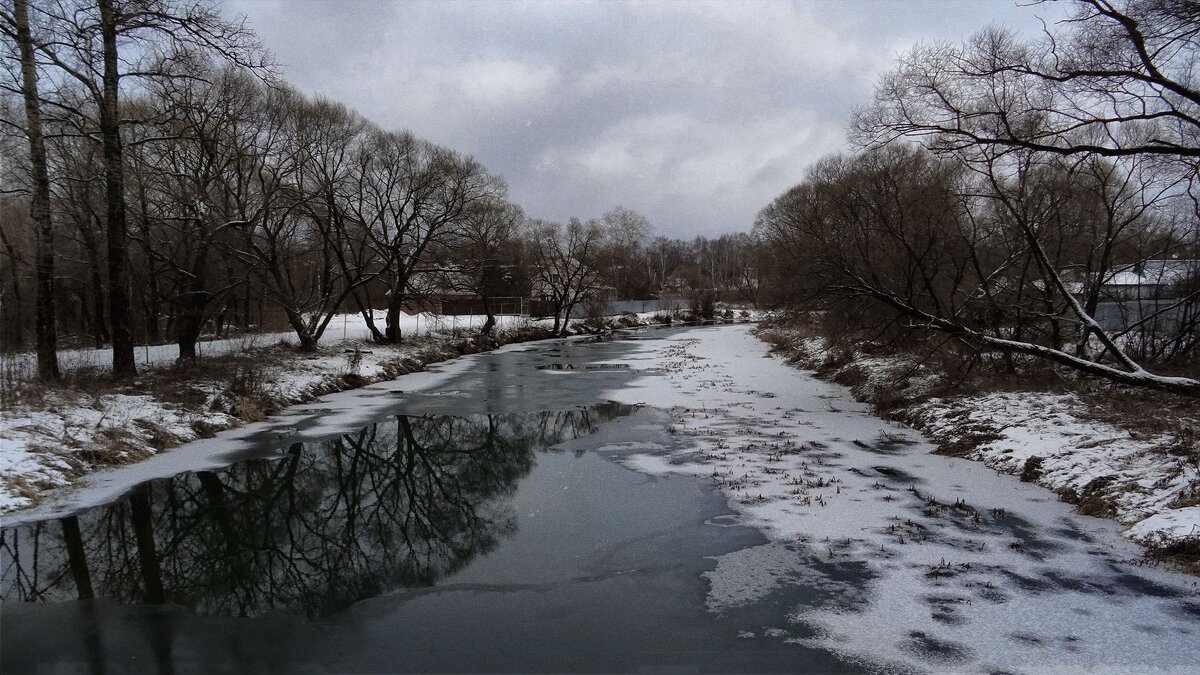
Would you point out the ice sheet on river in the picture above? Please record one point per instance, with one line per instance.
(964, 568)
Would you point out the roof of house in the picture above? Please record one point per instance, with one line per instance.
(1155, 273)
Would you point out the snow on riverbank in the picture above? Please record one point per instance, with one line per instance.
(1053, 439)
(61, 434)
(911, 561)
(1047, 438)
(58, 434)
(343, 329)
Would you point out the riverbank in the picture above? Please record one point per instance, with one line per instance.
(52, 435)
(1123, 454)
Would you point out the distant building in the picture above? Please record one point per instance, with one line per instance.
(453, 292)
(1150, 279)
(1147, 294)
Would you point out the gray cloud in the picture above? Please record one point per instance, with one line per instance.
(696, 114)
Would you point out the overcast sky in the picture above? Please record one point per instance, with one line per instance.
(694, 114)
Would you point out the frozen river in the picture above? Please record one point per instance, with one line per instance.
(666, 500)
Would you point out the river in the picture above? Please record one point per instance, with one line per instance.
(661, 500)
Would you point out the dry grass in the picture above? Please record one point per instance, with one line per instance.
(1183, 553)
(1147, 414)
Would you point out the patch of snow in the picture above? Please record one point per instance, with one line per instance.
(1170, 525)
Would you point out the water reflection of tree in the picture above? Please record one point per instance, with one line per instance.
(398, 503)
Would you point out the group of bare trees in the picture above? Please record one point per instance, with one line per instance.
(213, 178)
(71, 64)
(158, 174)
(159, 180)
(1004, 183)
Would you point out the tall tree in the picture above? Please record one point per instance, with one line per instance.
(46, 329)
(482, 256)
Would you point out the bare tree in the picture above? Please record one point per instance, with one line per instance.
(416, 196)
(625, 235)
(283, 222)
(565, 268)
(187, 185)
(1115, 79)
(982, 260)
(482, 256)
(1031, 120)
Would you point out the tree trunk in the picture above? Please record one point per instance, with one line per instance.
(14, 321)
(557, 317)
(187, 331)
(368, 315)
(98, 313)
(491, 319)
(114, 194)
(150, 304)
(392, 327)
(308, 343)
(47, 332)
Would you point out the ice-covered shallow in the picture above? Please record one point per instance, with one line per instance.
(968, 570)
(566, 506)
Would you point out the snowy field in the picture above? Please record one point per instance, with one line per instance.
(343, 328)
(971, 570)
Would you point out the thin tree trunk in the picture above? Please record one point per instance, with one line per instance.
(47, 333)
(187, 329)
(98, 324)
(114, 194)
(491, 319)
(368, 315)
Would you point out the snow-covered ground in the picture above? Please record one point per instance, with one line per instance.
(343, 328)
(967, 569)
(1144, 484)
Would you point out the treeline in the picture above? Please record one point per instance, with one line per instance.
(1006, 190)
(159, 178)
